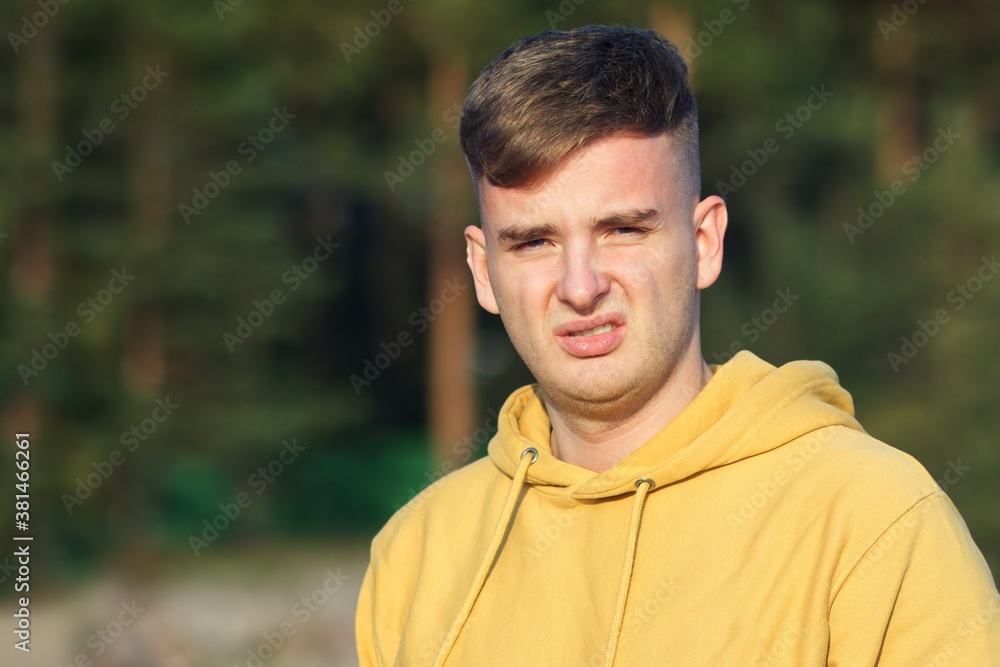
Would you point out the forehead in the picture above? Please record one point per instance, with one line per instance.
(614, 173)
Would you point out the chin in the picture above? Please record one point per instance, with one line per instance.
(595, 395)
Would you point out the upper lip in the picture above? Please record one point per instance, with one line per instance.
(590, 323)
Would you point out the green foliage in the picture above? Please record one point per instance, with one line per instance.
(323, 176)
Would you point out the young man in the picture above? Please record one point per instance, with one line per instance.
(638, 506)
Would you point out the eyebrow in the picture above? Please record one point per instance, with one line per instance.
(626, 218)
(517, 234)
(521, 234)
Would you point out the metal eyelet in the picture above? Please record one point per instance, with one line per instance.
(534, 453)
(645, 480)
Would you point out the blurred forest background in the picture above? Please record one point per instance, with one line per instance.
(235, 315)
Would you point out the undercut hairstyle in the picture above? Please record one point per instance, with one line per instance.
(555, 92)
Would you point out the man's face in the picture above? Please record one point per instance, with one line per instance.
(595, 272)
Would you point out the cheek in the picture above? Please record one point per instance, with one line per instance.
(645, 276)
(657, 285)
(522, 296)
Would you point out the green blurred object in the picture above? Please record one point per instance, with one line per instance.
(268, 140)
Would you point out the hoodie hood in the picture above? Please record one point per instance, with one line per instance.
(797, 527)
(747, 408)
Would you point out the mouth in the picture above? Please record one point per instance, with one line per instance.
(592, 326)
(604, 328)
(592, 337)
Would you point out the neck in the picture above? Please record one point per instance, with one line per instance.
(598, 444)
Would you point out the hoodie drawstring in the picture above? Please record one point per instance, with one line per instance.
(506, 514)
(643, 486)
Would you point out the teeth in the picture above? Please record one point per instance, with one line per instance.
(604, 328)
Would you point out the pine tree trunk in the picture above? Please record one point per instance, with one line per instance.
(32, 271)
(674, 23)
(451, 391)
(897, 106)
(143, 362)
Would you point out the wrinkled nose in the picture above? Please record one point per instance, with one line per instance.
(583, 282)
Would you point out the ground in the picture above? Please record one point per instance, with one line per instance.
(280, 607)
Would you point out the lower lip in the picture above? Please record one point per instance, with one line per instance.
(592, 346)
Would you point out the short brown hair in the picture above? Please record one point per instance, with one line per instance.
(551, 94)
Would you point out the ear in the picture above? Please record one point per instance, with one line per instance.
(475, 255)
(710, 220)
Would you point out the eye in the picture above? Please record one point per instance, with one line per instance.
(530, 245)
(628, 231)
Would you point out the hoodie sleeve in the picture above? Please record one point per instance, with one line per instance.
(384, 601)
(364, 623)
(921, 594)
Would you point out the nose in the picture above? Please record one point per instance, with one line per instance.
(583, 282)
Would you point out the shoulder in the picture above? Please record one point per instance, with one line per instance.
(859, 464)
(871, 494)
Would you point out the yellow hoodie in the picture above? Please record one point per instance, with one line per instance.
(762, 526)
